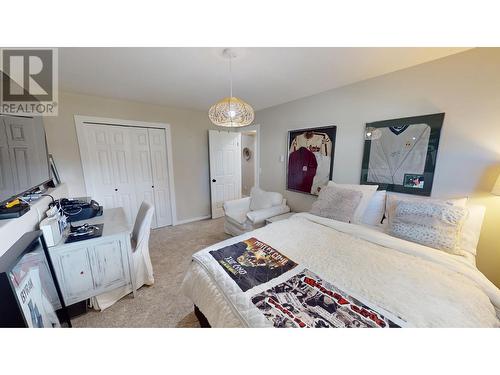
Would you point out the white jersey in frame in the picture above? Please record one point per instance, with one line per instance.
(396, 151)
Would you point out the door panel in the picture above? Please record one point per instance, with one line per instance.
(121, 156)
(158, 147)
(225, 168)
(100, 169)
(73, 268)
(141, 159)
(108, 265)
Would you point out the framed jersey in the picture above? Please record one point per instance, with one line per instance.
(310, 159)
(400, 154)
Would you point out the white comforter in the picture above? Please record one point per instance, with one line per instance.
(423, 286)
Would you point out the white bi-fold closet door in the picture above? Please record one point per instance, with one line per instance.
(127, 165)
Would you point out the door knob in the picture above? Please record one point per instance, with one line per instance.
(214, 180)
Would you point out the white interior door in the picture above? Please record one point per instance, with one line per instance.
(225, 168)
(158, 147)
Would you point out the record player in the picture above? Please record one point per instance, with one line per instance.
(79, 208)
(84, 232)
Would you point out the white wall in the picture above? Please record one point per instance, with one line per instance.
(13, 229)
(248, 166)
(465, 86)
(189, 143)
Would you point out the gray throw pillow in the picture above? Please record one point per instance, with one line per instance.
(337, 203)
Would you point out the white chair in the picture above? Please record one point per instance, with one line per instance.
(249, 213)
(142, 267)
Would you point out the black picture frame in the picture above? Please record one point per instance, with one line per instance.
(291, 183)
(435, 122)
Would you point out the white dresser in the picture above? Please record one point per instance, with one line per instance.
(87, 268)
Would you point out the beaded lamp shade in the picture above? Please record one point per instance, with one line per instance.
(231, 112)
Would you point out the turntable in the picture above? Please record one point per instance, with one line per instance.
(84, 232)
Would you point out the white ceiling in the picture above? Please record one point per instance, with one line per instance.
(196, 78)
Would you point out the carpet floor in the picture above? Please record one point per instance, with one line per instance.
(162, 304)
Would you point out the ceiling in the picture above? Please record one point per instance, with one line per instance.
(196, 78)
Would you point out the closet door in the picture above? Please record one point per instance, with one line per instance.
(99, 170)
(158, 147)
(125, 166)
(141, 161)
(123, 169)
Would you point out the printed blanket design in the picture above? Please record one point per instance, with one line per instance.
(252, 262)
(305, 300)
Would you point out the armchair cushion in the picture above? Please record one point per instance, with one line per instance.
(237, 206)
(259, 216)
(260, 199)
(237, 217)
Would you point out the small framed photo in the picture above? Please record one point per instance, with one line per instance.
(414, 181)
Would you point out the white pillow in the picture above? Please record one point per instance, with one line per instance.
(367, 190)
(260, 199)
(471, 229)
(374, 213)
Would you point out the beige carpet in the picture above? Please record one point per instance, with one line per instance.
(162, 304)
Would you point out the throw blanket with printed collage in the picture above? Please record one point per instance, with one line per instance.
(304, 299)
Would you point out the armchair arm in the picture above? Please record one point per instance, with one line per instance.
(259, 216)
(237, 205)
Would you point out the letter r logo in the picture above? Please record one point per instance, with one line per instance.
(28, 75)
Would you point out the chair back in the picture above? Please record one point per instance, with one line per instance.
(142, 225)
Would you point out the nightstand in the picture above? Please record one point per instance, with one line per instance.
(280, 217)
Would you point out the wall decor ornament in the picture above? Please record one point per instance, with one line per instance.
(310, 159)
(400, 154)
(247, 153)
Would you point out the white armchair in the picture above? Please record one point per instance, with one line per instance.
(249, 213)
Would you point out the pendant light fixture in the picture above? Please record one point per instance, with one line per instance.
(231, 111)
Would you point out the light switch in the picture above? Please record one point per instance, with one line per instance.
(282, 158)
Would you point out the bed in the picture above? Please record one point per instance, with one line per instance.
(388, 281)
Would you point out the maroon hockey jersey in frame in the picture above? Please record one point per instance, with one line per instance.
(302, 166)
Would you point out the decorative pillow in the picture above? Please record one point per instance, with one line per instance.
(472, 228)
(260, 199)
(337, 203)
(367, 193)
(393, 199)
(374, 213)
(436, 225)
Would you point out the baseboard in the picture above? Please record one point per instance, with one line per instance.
(190, 220)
